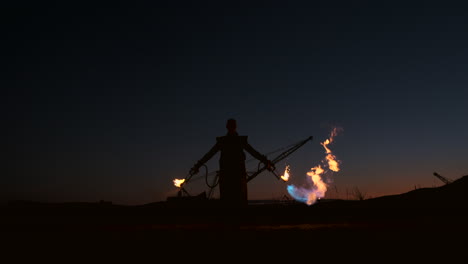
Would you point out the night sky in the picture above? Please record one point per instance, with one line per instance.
(112, 102)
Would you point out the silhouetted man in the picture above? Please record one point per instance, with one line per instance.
(232, 173)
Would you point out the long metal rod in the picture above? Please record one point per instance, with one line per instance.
(280, 157)
(443, 179)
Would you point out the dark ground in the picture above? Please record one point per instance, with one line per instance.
(421, 225)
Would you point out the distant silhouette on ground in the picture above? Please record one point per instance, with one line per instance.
(232, 170)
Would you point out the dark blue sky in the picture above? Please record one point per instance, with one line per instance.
(112, 102)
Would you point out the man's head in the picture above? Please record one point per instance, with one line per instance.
(231, 125)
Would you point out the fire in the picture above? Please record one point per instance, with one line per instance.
(319, 187)
(285, 176)
(331, 159)
(332, 163)
(178, 182)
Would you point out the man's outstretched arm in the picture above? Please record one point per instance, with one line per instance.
(257, 155)
(205, 158)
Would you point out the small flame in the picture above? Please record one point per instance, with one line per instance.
(178, 182)
(331, 159)
(285, 176)
(332, 163)
(324, 144)
(319, 187)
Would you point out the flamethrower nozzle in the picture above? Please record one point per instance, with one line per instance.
(276, 175)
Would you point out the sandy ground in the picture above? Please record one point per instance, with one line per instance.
(293, 233)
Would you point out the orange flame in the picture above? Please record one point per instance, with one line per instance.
(331, 159)
(285, 176)
(319, 188)
(178, 182)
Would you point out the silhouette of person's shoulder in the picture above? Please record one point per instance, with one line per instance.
(222, 139)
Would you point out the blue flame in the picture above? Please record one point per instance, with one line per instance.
(304, 195)
(299, 194)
